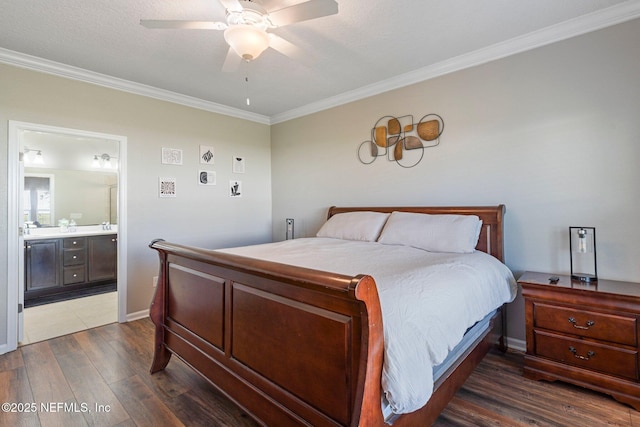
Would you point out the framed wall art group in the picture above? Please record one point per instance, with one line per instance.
(206, 176)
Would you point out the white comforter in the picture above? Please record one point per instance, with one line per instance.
(428, 300)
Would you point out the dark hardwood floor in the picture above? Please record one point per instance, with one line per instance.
(497, 394)
(100, 377)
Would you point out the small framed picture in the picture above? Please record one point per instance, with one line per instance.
(206, 155)
(235, 188)
(171, 156)
(238, 164)
(167, 187)
(206, 177)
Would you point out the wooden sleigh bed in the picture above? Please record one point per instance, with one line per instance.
(290, 345)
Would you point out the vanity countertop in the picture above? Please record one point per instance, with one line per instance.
(56, 233)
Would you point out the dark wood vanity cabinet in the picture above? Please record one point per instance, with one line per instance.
(103, 257)
(73, 261)
(42, 264)
(64, 265)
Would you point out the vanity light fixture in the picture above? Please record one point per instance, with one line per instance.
(39, 160)
(102, 161)
(33, 157)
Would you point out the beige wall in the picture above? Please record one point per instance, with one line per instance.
(199, 215)
(552, 133)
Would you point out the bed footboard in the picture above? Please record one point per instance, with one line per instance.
(291, 346)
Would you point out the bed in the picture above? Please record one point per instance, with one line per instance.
(297, 340)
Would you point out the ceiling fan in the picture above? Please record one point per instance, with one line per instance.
(247, 22)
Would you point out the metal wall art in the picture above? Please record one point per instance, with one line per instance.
(401, 140)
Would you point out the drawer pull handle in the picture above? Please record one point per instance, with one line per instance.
(589, 355)
(590, 323)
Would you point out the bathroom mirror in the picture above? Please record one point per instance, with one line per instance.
(67, 177)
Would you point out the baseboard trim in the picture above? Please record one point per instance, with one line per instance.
(516, 344)
(137, 315)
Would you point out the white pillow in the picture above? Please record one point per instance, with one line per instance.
(365, 225)
(434, 233)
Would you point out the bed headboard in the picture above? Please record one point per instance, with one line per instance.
(491, 238)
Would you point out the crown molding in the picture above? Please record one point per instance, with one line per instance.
(613, 15)
(618, 14)
(62, 70)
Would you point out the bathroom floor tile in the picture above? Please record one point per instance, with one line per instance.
(61, 318)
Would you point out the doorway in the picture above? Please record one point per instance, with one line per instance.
(73, 154)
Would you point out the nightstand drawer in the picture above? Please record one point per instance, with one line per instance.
(584, 334)
(607, 327)
(588, 355)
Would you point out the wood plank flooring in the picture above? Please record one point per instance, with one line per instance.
(100, 377)
(497, 394)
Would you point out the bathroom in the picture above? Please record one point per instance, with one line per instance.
(70, 231)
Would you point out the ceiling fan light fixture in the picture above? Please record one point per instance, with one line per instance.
(247, 41)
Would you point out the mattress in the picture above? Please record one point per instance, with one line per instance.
(469, 338)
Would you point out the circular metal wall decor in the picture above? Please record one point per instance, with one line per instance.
(401, 140)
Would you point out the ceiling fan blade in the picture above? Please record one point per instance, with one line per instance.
(232, 5)
(231, 62)
(182, 25)
(283, 46)
(310, 9)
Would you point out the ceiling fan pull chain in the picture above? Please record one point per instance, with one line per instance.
(246, 79)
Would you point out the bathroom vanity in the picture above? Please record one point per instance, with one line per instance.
(58, 264)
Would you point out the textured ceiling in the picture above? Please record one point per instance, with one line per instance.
(364, 47)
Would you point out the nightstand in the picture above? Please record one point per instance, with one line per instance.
(586, 334)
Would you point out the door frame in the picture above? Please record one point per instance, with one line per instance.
(15, 261)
